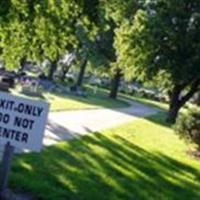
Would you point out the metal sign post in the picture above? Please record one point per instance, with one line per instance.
(5, 169)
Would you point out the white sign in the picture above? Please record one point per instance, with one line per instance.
(22, 121)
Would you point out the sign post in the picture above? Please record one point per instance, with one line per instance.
(22, 125)
(5, 169)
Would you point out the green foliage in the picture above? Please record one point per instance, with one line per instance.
(37, 30)
(103, 52)
(13, 42)
(91, 10)
(119, 10)
(163, 36)
(115, 13)
(188, 126)
(131, 57)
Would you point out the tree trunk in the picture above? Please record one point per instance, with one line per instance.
(174, 104)
(198, 99)
(52, 70)
(22, 64)
(65, 71)
(115, 83)
(173, 113)
(177, 102)
(81, 73)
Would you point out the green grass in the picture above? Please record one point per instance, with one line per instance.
(140, 160)
(70, 102)
(61, 102)
(148, 102)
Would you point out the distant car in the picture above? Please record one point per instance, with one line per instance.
(7, 79)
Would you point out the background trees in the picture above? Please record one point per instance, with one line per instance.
(146, 40)
(162, 39)
(38, 30)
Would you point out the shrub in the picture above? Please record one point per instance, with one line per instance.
(188, 126)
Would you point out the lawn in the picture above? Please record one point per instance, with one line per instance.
(140, 160)
(148, 102)
(61, 102)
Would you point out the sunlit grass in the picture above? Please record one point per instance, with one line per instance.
(61, 102)
(69, 102)
(140, 160)
(149, 102)
(146, 101)
(97, 97)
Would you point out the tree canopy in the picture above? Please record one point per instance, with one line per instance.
(163, 39)
(38, 30)
(147, 39)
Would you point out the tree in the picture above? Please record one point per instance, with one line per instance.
(38, 30)
(117, 13)
(14, 32)
(198, 99)
(164, 39)
(55, 31)
(86, 34)
(107, 54)
(82, 71)
(115, 83)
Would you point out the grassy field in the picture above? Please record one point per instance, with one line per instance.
(148, 102)
(61, 102)
(142, 160)
(70, 102)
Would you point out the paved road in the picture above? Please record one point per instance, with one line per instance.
(71, 124)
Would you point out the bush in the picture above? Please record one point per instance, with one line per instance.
(188, 126)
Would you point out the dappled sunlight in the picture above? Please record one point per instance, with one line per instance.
(105, 166)
(26, 166)
(73, 124)
(110, 73)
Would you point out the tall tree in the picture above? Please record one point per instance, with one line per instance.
(117, 13)
(82, 71)
(115, 83)
(164, 39)
(104, 47)
(14, 32)
(86, 33)
(38, 30)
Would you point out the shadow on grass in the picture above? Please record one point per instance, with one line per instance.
(160, 118)
(99, 167)
(56, 133)
(145, 101)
